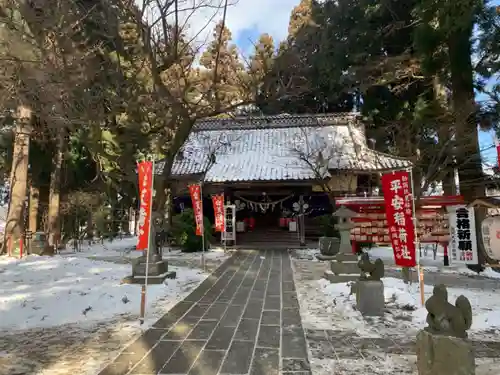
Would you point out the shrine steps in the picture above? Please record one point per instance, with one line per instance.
(273, 238)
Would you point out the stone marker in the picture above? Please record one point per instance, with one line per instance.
(442, 346)
(369, 289)
(344, 266)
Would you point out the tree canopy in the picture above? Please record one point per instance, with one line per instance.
(90, 87)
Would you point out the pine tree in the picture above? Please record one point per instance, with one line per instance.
(261, 63)
(300, 19)
(223, 68)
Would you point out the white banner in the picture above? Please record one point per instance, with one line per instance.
(463, 242)
(490, 230)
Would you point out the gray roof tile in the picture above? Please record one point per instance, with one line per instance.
(260, 152)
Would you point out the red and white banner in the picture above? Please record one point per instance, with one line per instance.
(145, 173)
(195, 192)
(399, 213)
(218, 202)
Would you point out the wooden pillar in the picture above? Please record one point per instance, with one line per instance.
(302, 229)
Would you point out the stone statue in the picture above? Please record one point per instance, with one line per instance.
(445, 319)
(370, 271)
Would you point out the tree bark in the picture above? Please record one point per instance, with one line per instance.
(14, 226)
(445, 134)
(33, 207)
(54, 225)
(464, 109)
(89, 227)
(468, 155)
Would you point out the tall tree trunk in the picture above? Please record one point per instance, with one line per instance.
(464, 109)
(468, 155)
(19, 176)
(54, 225)
(445, 135)
(33, 207)
(89, 229)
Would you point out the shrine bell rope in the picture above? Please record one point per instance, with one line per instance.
(265, 205)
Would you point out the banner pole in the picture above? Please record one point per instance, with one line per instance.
(224, 221)
(148, 250)
(416, 240)
(202, 228)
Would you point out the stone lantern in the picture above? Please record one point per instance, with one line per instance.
(344, 267)
(344, 226)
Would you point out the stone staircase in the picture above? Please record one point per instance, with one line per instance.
(268, 238)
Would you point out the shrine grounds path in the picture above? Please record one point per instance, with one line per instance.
(243, 319)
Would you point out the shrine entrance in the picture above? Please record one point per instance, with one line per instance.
(263, 211)
(267, 219)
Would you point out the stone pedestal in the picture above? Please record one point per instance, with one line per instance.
(370, 299)
(444, 355)
(157, 267)
(157, 270)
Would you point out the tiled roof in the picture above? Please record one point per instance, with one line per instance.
(262, 150)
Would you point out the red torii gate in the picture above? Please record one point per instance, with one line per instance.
(371, 223)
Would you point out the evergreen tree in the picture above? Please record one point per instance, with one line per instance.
(222, 63)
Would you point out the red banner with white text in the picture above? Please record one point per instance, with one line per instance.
(145, 173)
(195, 192)
(218, 202)
(399, 213)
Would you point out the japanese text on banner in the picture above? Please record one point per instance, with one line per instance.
(463, 244)
(145, 174)
(218, 202)
(399, 213)
(195, 191)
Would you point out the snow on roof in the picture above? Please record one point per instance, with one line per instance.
(278, 148)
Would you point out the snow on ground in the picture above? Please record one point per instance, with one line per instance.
(325, 305)
(342, 342)
(123, 251)
(48, 291)
(84, 286)
(309, 254)
(71, 312)
(429, 263)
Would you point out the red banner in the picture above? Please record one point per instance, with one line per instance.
(145, 172)
(218, 202)
(399, 213)
(498, 154)
(195, 191)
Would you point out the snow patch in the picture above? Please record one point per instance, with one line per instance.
(325, 305)
(51, 291)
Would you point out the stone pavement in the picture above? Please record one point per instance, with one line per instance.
(243, 319)
(334, 344)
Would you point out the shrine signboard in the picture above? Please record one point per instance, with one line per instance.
(399, 215)
(463, 244)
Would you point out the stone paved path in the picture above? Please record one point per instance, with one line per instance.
(244, 319)
(335, 344)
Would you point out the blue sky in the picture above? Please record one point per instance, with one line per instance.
(248, 19)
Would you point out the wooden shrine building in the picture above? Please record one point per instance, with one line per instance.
(270, 169)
